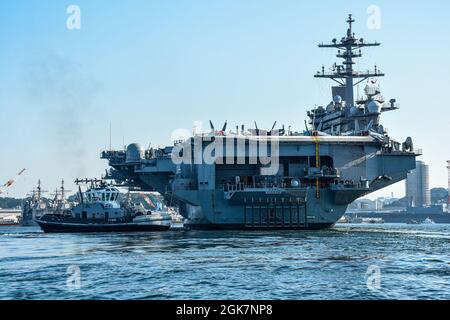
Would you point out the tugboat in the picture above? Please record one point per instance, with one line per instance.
(99, 210)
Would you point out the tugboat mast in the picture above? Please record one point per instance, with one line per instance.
(344, 74)
(39, 190)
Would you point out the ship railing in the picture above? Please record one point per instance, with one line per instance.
(230, 190)
(260, 186)
(396, 150)
(340, 185)
(112, 154)
(326, 173)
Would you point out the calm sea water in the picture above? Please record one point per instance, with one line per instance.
(411, 262)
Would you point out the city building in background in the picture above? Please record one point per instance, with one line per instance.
(418, 186)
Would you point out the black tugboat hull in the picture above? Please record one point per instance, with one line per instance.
(52, 227)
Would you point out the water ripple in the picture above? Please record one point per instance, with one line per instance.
(413, 260)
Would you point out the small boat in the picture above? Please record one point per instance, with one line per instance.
(100, 211)
(413, 222)
(359, 220)
(428, 221)
(344, 220)
(373, 221)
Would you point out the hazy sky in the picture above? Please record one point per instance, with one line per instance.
(149, 67)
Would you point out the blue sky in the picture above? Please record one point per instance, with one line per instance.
(149, 67)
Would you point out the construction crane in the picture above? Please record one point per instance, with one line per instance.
(10, 182)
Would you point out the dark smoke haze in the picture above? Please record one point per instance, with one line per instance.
(62, 94)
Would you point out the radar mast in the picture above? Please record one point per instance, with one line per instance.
(349, 50)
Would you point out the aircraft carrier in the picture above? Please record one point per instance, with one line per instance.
(280, 178)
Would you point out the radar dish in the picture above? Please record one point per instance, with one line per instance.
(337, 99)
(371, 90)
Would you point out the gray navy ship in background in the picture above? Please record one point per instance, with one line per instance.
(343, 153)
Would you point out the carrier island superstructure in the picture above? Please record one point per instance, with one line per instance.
(280, 179)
